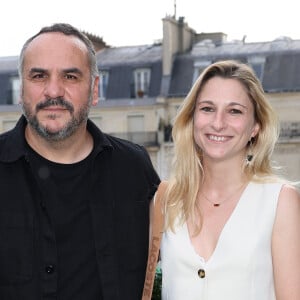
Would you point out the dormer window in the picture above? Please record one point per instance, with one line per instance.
(199, 66)
(15, 89)
(142, 82)
(257, 63)
(103, 83)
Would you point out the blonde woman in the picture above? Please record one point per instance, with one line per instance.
(232, 227)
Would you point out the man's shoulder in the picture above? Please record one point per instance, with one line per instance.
(127, 153)
(7, 138)
(12, 142)
(122, 144)
(10, 149)
(15, 132)
(6, 135)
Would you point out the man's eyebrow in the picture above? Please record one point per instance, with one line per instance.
(73, 70)
(37, 70)
(68, 70)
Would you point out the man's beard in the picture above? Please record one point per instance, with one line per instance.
(68, 130)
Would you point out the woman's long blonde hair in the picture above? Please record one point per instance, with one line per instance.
(187, 172)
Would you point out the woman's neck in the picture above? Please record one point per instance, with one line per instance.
(223, 174)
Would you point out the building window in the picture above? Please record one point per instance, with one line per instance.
(136, 129)
(136, 123)
(103, 83)
(199, 66)
(141, 82)
(15, 89)
(257, 63)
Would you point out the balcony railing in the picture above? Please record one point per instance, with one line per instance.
(146, 139)
(290, 131)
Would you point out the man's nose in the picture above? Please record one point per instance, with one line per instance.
(54, 88)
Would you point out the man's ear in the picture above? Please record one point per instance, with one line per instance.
(95, 91)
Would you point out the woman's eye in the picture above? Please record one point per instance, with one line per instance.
(206, 108)
(235, 111)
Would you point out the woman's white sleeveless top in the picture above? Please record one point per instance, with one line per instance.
(240, 267)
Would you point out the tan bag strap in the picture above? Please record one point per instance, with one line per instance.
(156, 231)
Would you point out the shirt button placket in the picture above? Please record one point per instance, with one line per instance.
(201, 273)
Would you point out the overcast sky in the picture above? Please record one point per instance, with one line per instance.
(138, 22)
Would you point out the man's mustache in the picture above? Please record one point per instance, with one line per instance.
(55, 102)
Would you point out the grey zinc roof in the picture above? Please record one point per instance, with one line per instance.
(9, 64)
(237, 48)
(280, 72)
(182, 75)
(132, 55)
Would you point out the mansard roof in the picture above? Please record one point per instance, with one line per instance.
(206, 48)
(121, 62)
(9, 64)
(130, 55)
(280, 60)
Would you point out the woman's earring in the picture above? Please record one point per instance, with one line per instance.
(249, 156)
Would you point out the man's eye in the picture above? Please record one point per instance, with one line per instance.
(70, 76)
(38, 76)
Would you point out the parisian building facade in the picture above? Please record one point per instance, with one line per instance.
(142, 87)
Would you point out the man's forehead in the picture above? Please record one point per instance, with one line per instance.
(56, 40)
(50, 49)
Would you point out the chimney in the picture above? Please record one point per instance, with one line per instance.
(177, 38)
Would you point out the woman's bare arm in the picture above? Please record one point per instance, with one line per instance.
(286, 245)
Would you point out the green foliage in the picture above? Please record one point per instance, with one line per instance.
(156, 294)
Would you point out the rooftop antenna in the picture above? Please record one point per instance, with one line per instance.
(175, 9)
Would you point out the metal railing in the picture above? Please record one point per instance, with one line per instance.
(147, 138)
(289, 130)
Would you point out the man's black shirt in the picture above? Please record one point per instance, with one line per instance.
(120, 184)
(69, 213)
